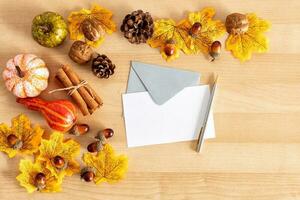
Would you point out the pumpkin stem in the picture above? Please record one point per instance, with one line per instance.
(19, 71)
(46, 28)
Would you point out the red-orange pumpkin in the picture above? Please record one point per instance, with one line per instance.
(60, 114)
(26, 75)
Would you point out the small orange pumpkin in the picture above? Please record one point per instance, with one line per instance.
(26, 75)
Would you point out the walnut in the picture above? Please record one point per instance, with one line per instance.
(236, 23)
(91, 29)
(80, 52)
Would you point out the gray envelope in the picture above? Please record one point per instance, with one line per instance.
(162, 83)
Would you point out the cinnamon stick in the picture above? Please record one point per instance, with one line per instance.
(66, 82)
(83, 91)
(93, 93)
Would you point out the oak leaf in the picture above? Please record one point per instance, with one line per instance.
(65, 149)
(26, 138)
(253, 40)
(210, 30)
(107, 166)
(97, 13)
(29, 170)
(166, 30)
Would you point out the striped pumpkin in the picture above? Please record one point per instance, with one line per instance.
(26, 75)
(60, 114)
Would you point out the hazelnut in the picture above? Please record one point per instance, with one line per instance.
(80, 52)
(236, 23)
(92, 29)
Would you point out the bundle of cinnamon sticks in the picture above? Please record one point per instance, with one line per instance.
(84, 96)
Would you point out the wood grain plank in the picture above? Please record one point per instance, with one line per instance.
(257, 110)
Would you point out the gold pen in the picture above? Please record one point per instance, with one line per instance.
(202, 130)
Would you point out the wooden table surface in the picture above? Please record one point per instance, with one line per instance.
(256, 154)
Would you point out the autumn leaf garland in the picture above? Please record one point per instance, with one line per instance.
(192, 35)
(171, 37)
(198, 32)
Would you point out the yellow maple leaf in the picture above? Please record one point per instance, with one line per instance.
(108, 167)
(97, 13)
(65, 150)
(210, 30)
(166, 30)
(27, 177)
(253, 40)
(20, 137)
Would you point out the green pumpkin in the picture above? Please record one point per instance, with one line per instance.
(49, 29)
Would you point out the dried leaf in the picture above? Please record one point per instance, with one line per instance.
(21, 128)
(56, 146)
(29, 170)
(210, 31)
(98, 13)
(108, 166)
(166, 30)
(243, 45)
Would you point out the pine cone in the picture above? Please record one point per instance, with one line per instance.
(102, 66)
(137, 27)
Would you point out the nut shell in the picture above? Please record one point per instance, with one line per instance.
(80, 52)
(236, 23)
(92, 30)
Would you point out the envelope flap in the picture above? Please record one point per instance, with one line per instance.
(163, 83)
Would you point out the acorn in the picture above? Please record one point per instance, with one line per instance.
(169, 48)
(14, 142)
(40, 181)
(79, 129)
(107, 133)
(195, 29)
(87, 174)
(95, 147)
(215, 50)
(58, 162)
